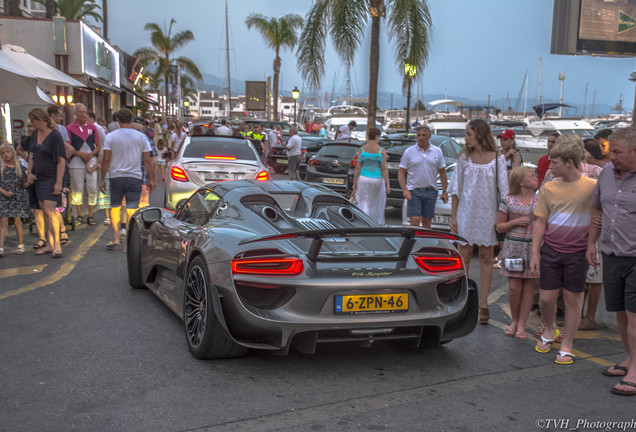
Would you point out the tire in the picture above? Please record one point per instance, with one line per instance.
(135, 276)
(204, 334)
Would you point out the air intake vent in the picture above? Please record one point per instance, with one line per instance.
(346, 213)
(315, 224)
(270, 213)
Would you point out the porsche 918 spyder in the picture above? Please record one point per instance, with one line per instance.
(273, 265)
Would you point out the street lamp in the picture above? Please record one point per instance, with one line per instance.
(409, 71)
(295, 95)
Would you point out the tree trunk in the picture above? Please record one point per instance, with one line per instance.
(275, 84)
(374, 66)
(12, 8)
(104, 18)
(50, 8)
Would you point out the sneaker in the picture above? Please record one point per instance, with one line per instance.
(1, 252)
(122, 232)
(20, 249)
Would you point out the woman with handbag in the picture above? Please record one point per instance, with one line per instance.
(480, 179)
(515, 219)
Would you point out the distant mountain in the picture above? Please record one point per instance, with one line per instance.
(386, 100)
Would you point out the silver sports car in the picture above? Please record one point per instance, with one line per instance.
(278, 264)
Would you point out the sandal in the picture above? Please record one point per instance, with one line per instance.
(44, 251)
(111, 245)
(107, 222)
(63, 237)
(79, 220)
(569, 356)
(40, 244)
(57, 254)
(546, 342)
(625, 392)
(510, 332)
(90, 221)
(484, 315)
(20, 249)
(521, 335)
(616, 367)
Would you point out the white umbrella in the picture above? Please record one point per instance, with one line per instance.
(42, 71)
(18, 85)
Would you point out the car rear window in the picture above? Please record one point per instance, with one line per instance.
(200, 148)
(339, 151)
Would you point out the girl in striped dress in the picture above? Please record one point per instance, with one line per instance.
(515, 218)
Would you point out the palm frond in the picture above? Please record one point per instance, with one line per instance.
(409, 28)
(313, 39)
(348, 24)
(78, 9)
(189, 66)
(180, 39)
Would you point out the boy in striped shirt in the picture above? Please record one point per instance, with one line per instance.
(560, 238)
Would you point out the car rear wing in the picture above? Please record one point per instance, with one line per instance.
(409, 234)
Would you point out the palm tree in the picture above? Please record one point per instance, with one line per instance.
(164, 45)
(345, 22)
(12, 8)
(278, 33)
(73, 9)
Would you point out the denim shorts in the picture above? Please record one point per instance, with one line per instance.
(558, 269)
(127, 187)
(619, 283)
(422, 203)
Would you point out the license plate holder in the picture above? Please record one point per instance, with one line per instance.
(441, 220)
(217, 176)
(362, 304)
(393, 165)
(281, 161)
(331, 180)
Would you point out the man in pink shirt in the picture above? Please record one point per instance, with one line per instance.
(86, 145)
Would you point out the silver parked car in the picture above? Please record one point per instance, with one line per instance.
(204, 159)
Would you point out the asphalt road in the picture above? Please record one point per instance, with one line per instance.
(82, 351)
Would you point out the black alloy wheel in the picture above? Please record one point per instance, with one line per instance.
(196, 306)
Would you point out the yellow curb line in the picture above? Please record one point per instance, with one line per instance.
(20, 271)
(65, 269)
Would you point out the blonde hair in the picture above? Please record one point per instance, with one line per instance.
(569, 146)
(517, 175)
(16, 161)
(42, 115)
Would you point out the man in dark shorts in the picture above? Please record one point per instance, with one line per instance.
(614, 202)
(123, 149)
(419, 167)
(560, 234)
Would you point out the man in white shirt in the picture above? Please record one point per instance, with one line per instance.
(344, 133)
(417, 175)
(223, 129)
(123, 149)
(294, 148)
(100, 130)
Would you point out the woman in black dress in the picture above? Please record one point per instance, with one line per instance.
(46, 172)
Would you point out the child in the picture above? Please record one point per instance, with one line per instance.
(563, 214)
(13, 199)
(515, 219)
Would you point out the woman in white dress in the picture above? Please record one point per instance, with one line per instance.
(476, 201)
(371, 178)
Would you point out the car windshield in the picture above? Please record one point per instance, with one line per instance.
(450, 148)
(338, 151)
(218, 149)
(455, 133)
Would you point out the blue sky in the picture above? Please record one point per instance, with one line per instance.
(478, 48)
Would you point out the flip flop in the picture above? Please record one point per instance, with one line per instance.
(510, 332)
(616, 367)
(111, 245)
(625, 392)
(40, 244)
(571, 357)
(547, 342)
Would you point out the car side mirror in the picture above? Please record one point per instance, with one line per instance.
(151, 215)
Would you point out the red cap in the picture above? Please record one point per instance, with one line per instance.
(507, 134)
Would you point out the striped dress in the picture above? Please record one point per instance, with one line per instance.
(518, 243)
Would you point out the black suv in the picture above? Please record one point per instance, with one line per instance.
(331, 166)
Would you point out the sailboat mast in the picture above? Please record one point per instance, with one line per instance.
(585, 102)
(540, 61)
(349, 82)
(525, 99)
(227, 53)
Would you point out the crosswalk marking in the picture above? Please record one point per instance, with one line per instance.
(20, 271)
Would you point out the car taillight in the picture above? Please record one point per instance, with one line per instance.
(439, 263)
(313, 162)
(178, 174)
(262, 176)
(219, 157)
(268, 266)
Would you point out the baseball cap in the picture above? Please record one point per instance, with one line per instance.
(140, 120)
(507, 134)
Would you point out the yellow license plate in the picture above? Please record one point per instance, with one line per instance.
(333, 180)
(372, 303)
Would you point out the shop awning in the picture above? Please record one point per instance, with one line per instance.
(97, 84)
(42, 71)
(18, 85)
(140, 96)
